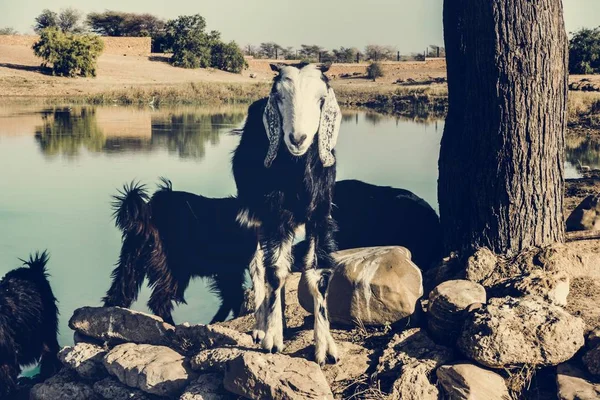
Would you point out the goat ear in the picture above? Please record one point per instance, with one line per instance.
(329, 128)
(275, 67)
(272, 123)
(324, 67)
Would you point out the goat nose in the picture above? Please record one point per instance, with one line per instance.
(297, 141)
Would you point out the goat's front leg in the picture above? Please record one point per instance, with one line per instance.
(257, 273)
(278, 262)
(319, 266)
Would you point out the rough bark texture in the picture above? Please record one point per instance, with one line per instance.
(501, 161)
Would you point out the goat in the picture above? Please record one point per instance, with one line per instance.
(28, 322)
(173, 237)
(281, 188)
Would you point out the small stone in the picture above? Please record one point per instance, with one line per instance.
(552, 286)
(470, 382)
(85, 359)
(446, 309)
(207, 387)
(214, 359)
(586, 215)
(591, 360)
(156, 370)
(572, 384)
(277, 377)
(190, 339)
(111, 389)
(480, 265)
(511, 332)
(63, 386)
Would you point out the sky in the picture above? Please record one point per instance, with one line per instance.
(410, 25)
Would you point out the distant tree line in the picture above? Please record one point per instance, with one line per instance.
(584, 52)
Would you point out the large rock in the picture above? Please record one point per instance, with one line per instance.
(409, 360)
(572, 384)
(470, 382)
(524, 331)
(375, 285)
(591, 360)
(552, 286)
(63, 386)
(189, 339)
(214, 359)
(111, 389)
(586, 215)
(207, 387)
(85, 359)
(447, 307)
(156, 370)
(275, 376)
(117, 325)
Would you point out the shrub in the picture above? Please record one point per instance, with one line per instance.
(374, 71)
(228, 57)
(67, 54)
(189, 43)
(584, 52)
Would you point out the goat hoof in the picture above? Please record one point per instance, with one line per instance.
(331, 359)
(258, 336)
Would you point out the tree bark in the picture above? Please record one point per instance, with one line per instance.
(501, 180)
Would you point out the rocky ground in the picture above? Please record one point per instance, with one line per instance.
(489, 328)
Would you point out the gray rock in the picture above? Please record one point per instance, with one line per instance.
(207, 387)
(523, 331)
(552, 286)
(214, 359)
(85, 359)
(572, 384)
(275, 376)
(480, 265)
(591, 360)
(446, 309)
(586, 215)
(117, 325)
(189, 339)
(156, 370)
(111, 389)
(63, 386)
(375, 285)
(470, 382)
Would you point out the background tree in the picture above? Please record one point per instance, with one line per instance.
(8, 31)
(310, 52)
(227, 57)
(501, 161)
(345, 55)
(67, 20)
(47, 19)
(189, 42)
(380, 53)
(270, 50)
(116, 23)
(584, 52)
(251, 50)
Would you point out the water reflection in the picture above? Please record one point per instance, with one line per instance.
(583, 150)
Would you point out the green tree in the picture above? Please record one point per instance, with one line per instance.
(228, 57)
(374, 71)
(67, 54)
(8, 31)
(345, 55)
(67, 20)
(189, 42)
(47, 19)
(584, 52)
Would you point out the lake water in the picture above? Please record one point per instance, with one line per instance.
(61, 165)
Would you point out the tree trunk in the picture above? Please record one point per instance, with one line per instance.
(501, 161)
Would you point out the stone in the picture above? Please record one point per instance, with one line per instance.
(414, 384)
(118, 325)
(593, 338)
(572, 384)
(586, 215)
(447, 307)
(480, 265)
(214, 359)
(511, 332)
(591, 360)
(189, 339)
(584, 302)
(156, 370)
(207, 387)
(275, 376)
(552, 286)
(85, 359)
(469, 382)
(64, 386)
(374, 286)
(112, 389)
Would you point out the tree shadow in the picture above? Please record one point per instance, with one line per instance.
(20, 67)
(159, 58)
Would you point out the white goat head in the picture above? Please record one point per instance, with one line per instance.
(300, 106)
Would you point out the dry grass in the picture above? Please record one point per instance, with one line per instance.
(583, 108)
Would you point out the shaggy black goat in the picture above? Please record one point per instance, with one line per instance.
(172, 238)
(283, 187)
(28, 322)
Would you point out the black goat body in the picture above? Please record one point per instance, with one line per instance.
(28, 322)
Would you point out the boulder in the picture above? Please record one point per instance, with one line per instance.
(111, 389)
(469, 382)
(591, 360)
(64, 386)
(275, 376)
(447, 307)
(85, 359)
(511, 332)
(552, 286)
(375, 285)
(189, 339)
(214, 359)
(117, 325)
(586, 215)
(584, 302)
(414, 383)
(207, 387)
(156, 370)
(572, 384)
(480, 265)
